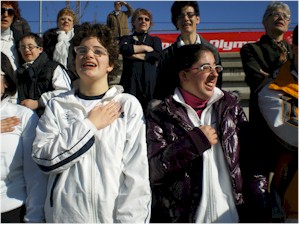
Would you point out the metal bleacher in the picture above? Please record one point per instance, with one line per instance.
(234, 77)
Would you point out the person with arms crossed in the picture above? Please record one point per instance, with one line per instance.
(92, 143)
(141, 53)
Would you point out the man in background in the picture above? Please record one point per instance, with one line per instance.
(117, 20)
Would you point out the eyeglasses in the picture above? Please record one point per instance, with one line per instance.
(83, 50)
(143, 18)
(285, 16)
(10, 11)
(208, 68)
(30, 47)
(188, 14)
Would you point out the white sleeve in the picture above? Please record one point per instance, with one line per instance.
(36, 181)
(61, 82)
(58, 146)
(134, 201)
(276, 111)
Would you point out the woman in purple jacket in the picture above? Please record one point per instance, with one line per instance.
(194, 140)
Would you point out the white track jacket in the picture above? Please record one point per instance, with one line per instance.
(96, 176)
(22, 182)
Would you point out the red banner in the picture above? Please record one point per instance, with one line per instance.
(224, 41)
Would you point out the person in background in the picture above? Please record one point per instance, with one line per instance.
(23, 185)
(141, 53)
(278, 104)
(260, 60)
(92, 142)
(39, 79)
(21, 25)
(58, 42)
(196, 137)
(10, 35)
(117, 20)
(185, 17)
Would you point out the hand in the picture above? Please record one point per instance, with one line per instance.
(103, 115)
(264, 73)
(210, 134)
(148, 48)
(123, 3)
(8, 124)
(31, 104)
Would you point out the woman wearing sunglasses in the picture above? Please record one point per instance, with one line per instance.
(195, 138)
(141, 53)
(13, 26)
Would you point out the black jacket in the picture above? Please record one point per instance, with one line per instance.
(36, 79)
(49, 43)
(139, 76)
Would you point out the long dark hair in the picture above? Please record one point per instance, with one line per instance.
(6, 67)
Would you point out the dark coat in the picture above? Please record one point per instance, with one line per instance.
(36, 80)
(175, 151)
(166, 83)
(139, 76)
(261, 55)
(49, 43)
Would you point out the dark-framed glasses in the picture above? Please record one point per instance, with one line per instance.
(97, 50)
(188, 14)
(10, 11)
(208, 68)
(29, 47)
(285, 16)
(143, 18)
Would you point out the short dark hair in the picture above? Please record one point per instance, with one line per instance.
(105, 37)
(38, 40)
(177, 7)
(6, 67)
(295, 36)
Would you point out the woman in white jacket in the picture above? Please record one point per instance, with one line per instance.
(23, 185)
(92, 143)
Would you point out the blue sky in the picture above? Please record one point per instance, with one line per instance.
(215, 15)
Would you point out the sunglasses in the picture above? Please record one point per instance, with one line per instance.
(143, 18)
(10, 11)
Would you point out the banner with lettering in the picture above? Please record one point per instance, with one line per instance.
(224, 41)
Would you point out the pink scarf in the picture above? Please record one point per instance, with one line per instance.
(196, 103)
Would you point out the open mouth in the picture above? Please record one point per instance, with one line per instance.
(88, 65)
